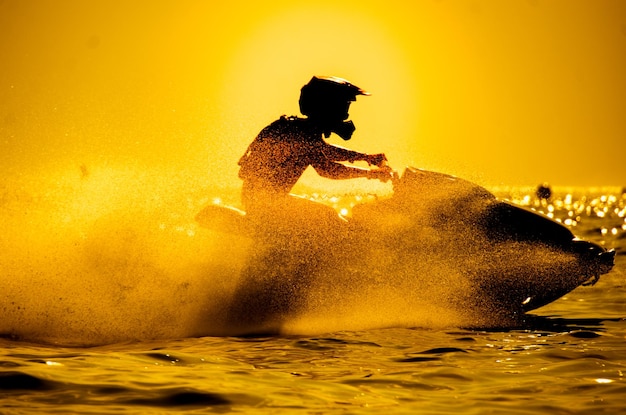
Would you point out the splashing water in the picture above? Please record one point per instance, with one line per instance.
(112, 255)
(103, 258)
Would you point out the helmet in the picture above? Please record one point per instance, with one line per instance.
(322, 91)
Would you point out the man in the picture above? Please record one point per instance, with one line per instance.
(294, 236)
(281, 152)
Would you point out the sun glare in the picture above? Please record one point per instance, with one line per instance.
(283, 49)
(516, 92)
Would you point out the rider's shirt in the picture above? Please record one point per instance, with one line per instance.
(280, 154)
(282, 151)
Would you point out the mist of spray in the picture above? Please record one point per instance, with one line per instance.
(113, 255)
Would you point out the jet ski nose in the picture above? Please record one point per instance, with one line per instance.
(597, 260)
(607, 260)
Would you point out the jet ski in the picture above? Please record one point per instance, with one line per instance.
(436, 233)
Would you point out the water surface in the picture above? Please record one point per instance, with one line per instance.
(569, 358)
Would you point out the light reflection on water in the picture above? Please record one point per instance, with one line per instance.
(570, 359)
(572, 208)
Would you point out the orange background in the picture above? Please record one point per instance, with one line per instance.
(502, 92)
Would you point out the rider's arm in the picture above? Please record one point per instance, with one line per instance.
(326, 164)
(333, 170)
(336, 153)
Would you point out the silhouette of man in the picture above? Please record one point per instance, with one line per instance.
(273, 286)
(282, 151)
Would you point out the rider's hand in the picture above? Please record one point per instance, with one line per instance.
(376, 159)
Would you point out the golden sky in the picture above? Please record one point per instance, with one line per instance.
(512, 92)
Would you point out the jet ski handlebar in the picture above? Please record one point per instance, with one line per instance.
(384, 172)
